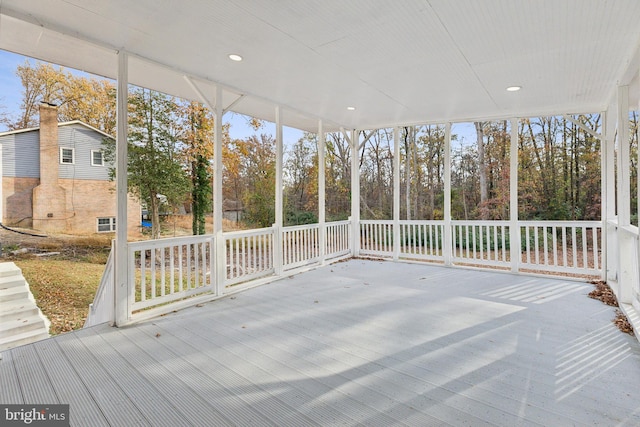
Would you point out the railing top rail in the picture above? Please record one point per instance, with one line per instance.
(562, 223)
(479, 222)
(301, 227)
(422, 221)
(341, 222)
(377, 221)
(629, 229)
(145, 244)
(246, 233)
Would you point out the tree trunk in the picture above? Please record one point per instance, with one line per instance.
(482, 171)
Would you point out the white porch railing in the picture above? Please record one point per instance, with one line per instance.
(300, 246)
(167, 270)
(481, 242)
(102, 309)
(422, 240)
(249, 255)
(337, 239)
(376, 238)
(562, 246)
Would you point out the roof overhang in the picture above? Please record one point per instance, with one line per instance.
(398, 63)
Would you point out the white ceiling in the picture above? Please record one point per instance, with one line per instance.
(398, 62)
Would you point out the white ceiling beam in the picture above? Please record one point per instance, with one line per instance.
(203, 98)
(366, 139)
(582, 126)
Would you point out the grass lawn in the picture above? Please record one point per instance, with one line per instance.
(63, 289)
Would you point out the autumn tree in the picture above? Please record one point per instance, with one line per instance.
(156, 169)
(197, 136)
(301, 181)
(90, 100)
(337, 177)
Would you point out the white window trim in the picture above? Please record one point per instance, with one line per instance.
(101, 157)
(112, 224)
(73, 156)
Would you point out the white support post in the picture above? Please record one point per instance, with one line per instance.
(396, 194)
(447, 247)
(220, 264)
(624, 157)
(514, 227)
(122, 302)
(609, 235)
(626, 249)
(277, 253)
(322, 232)
(355, 194)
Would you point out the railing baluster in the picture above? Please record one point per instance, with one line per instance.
(162, 272)
(596, 253)
(545, 244)
(564, 247)
(153, 272)
(574, 247)
(555, 245)
(585, 251)
(143, 275)
(172, 271)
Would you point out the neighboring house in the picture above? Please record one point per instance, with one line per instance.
(55, 179)
(232, 210)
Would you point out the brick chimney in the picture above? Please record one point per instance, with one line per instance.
(49, 198)
(49, 150)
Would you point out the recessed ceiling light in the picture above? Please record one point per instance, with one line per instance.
(235, 57)
(514, 88)
(351, 108)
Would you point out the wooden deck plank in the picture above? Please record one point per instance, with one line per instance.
(139, 390)
(235, 383)
(10, 390)
(104, 389)
(329, 372)
(197, 375)
(33, 377)
(275, 377)
(145, 355)
(83, 410)
(358, 342)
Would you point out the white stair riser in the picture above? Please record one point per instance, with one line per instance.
(13, 294)
(21, 321)
(11, 282)
(23, 313)
(17, 327)
(21, 339)
(9, 270)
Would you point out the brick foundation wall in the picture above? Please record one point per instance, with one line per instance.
(86, 200)
(18, 201)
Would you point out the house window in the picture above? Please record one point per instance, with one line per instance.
(106, 225)
(66, 156)
(96, 158)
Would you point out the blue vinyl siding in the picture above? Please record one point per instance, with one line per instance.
(27, 163)
(83, 141)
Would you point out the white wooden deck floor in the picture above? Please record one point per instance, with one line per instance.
(356, 343)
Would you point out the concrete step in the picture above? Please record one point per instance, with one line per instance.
(20, 325)
(22, 338)
(7, 282)
(19, 309)
(8, 269)
(13, 293)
